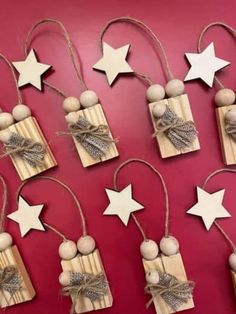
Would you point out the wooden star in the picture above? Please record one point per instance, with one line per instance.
(27, 217)
(31, 70)
(204, 65)
(122, 204)
(113, 62)
(209, 207)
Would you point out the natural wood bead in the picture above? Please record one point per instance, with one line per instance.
(224, 97)
(71, 104)
(158, 110)
(149, 249)
(174, 88)
(152, 276)
(5, 135)
(21, 112)
(230, 115)
(5, 241)
(64, 278)
(88, 98)
(6, 119)
(67, 250)
(232, 261)
(169, 245)
(86, 245)
(71, 117)
(155, 92)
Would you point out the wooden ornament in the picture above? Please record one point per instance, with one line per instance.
(95, 116)
(29, 128)
(11, 257)
(180, 105)
(233, 276)
(174, 266)
(91, 264)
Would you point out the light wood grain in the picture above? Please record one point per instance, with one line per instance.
(95, 116)
(91, 264)
(228, 146)
(233, 275)
(180, 105)
(11, 257)
(172, 265)
(29, 128)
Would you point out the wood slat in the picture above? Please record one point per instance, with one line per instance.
(91, 264)
(29, 128)
(228, 146)
(233, 275)
(95, 116)
(172, 265)
(11, 257)
(180, 105)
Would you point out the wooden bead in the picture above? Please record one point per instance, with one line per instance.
(64, 278)
(88, 98)
(71, 117)
(5, 241)
(158, 110)
(67, 250)
(149, 249)
(21, 112)
(224, 97)
(232, 261)
(174, 88)
(6, 119)
(71, 104)
(5, 135)
(169, 246)
(86, 245)
(155, 92)
(230, 115)
(152, 276)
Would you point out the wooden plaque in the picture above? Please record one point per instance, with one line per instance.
(233, 275)
(228, 146)
(174, 266)
(180, 105)
(11, 257)
(95, 116)
(29, 128)
(91, 264)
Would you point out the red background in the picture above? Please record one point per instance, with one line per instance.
(178, 24)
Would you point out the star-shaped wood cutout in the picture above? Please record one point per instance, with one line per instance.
(27, 216)
(209, 207)
(122, 204)
(113, 62)
(31, 71)
(204, 65)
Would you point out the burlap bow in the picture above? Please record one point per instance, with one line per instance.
(10, 279)
(180, 132)
(230, 129)
(174, 292)
(30, 151)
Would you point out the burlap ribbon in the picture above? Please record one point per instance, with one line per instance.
(29, 150)
(10, 279)
(230, 129)
(88, 285)
(180, 132)
(174, 292)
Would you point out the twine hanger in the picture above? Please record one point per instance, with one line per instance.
(73, 53)
(167, 207)
(225, 26)
(4, 204)
(157, 45)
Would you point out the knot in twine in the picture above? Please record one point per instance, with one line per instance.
(180, 132)
(95, 139)
(230, 129)
(29, 150)
(174, 292)
(10, 279)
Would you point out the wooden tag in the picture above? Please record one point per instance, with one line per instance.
(180, 105)
(29, 128)
(233, 275)
(228, 146)
(11, 257)
(95, 116)
(172, 265)
(91, 264)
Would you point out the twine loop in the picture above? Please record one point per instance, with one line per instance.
(230, 129)
(10, 279)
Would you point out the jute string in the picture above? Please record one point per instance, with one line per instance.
(73, 54)
(68, 189)
(230, 29)
(157, 44)
(222, 231)
(167, 208)
(4, 204)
